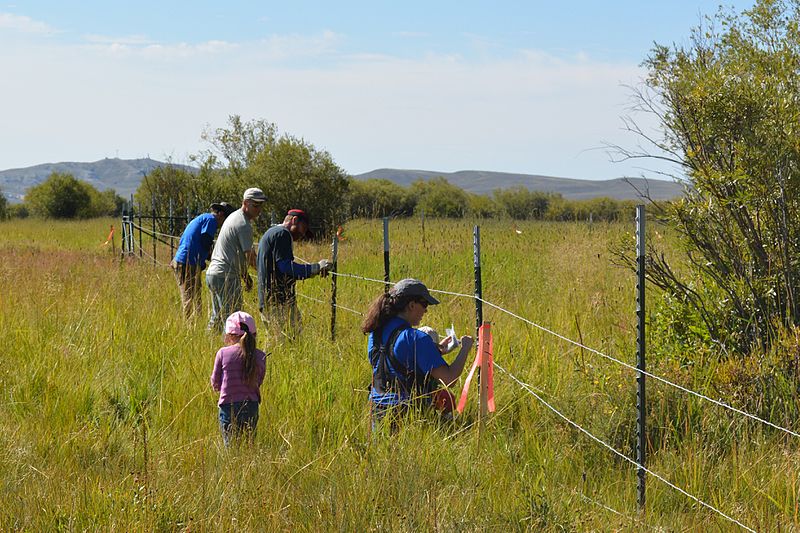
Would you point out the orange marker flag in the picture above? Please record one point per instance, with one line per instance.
(485, 349)
(110, 236)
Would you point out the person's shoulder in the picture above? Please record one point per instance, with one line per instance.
(417, 335)
(261, 356)
(396, 323)
(227, 351)
(278, 231)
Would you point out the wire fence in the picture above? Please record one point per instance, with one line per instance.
(591, 350)
(619, 454)
(527, 387)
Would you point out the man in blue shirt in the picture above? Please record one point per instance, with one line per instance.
(193, 250)
(277, 273)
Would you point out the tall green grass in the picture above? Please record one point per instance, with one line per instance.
(109, 423)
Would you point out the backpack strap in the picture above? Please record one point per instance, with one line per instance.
(381, 357)
(409, 378)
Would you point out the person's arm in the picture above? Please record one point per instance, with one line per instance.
(449, 373)
(262, 368)
(245, 236)
(296, 270)
(207, 232)
(216, 374)
(250, 261)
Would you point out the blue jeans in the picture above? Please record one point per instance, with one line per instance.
(386, 415)
(238, 419)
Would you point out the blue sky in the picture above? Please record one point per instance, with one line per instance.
(531, 87)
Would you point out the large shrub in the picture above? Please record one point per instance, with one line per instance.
(439, 198)
(728, 102)
(3, 206)
(520, 203)
(380, 198)
(64, 196)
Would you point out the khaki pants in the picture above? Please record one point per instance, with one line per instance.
(226, 297)
(281, 321)
(189, 284)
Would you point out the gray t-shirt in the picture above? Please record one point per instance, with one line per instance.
(235, 238)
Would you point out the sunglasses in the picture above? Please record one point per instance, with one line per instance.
(423, 303)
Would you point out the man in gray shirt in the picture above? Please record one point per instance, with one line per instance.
(232, 255)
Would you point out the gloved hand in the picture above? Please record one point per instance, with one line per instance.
(324, 267)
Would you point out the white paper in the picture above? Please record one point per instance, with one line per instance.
(452, 343)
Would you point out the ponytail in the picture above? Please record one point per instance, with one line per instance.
(384, 307)
(247, 351)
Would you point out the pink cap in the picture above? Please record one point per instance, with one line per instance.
(233, 324)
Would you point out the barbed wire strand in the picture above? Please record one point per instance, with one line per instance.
(150, 232)
(577, 426)
(326, 303)
(150, 257)
(152, 235)
(601, 354)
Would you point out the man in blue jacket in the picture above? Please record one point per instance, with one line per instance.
(277, 273)
(193, 250)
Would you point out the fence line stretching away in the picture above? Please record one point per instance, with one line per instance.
(592, 350)
(479, 300)
(530, 391)
(531, 323)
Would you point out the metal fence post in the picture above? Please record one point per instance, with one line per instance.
(171, 232)
(123, 235)
(476, 250)
(141, 252)
(641, 399)
(335, 253)
(386, 253)
(153, 212)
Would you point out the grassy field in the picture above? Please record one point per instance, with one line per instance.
(109, 423)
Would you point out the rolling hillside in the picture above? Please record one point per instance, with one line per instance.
(483, 182)
(124, 176)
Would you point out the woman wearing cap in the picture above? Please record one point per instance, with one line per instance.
(403, 358)
(239, 369)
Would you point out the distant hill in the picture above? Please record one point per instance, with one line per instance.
(122, 175)
(482, 182)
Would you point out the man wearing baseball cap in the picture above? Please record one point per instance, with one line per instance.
(277, 273)
(232, 256)
(193, 250)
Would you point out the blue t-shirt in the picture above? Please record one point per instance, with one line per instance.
(414, 349)
(196, 240)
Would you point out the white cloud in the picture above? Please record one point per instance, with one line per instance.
(23, 24)
(145, 49)
(133, 40)
(532, 113)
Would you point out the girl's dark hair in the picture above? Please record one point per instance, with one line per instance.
(382, 309)
(247, 351)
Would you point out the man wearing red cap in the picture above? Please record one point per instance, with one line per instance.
(277, 273)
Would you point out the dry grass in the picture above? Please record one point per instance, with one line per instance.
(109, 422)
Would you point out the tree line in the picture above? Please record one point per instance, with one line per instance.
(294, 173)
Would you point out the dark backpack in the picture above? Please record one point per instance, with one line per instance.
(402, 380)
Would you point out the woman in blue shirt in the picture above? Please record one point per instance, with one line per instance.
(403, 358)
